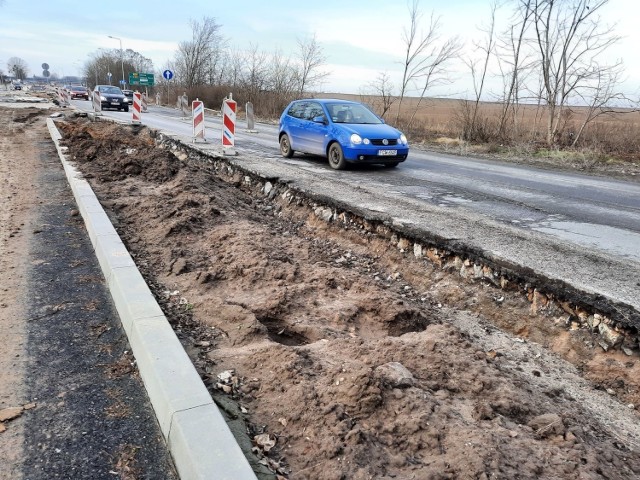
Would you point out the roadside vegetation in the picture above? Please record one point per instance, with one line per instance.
(541, 85)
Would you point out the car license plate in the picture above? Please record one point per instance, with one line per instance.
(387, 153)
(115, 103)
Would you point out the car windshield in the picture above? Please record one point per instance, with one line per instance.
(114, 90)
(354, 113)
(78, 89)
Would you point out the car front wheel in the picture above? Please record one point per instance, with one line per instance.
(285, 146)
(126, 108)
(336, 157)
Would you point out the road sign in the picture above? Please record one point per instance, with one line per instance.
(168, 74)
(45, 66)
(141, 79)
(109, 74)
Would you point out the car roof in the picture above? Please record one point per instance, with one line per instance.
(326, 100)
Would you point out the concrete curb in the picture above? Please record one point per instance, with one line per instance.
(198, 438)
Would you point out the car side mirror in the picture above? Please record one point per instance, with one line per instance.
(320, 119)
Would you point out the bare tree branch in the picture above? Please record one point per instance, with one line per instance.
(311, 58)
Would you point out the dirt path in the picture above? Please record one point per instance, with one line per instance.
(346, 355)
(71, 402)
(17, 204)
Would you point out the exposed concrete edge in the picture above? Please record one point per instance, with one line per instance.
(198, 438)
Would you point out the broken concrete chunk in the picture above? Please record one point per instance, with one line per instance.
(609, 335)
(547, 425)
(395, 375)
(10, 413)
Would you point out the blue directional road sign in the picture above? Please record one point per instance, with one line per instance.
(168, 74)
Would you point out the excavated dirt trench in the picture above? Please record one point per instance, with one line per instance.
(346, 356)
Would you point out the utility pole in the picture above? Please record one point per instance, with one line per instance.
(121, 58)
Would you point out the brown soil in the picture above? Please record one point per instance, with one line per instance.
(17, 202)
(348, 357)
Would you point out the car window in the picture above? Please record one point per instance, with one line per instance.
(354, 113)
(297, 110)
(313, 110)
(112, 90)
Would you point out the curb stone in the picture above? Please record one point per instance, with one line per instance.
(198, 438)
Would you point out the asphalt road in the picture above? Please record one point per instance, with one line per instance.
(594, 212)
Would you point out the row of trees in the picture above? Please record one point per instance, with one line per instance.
(209, 66)
(114, 61)
(549, 54)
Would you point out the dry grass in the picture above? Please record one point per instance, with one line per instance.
(439, 122)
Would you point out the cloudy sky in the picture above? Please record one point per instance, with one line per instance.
(360, 38)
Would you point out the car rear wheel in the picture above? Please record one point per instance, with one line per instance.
(336, 157)
(285, 146)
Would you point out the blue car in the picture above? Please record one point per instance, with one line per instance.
(344, 132)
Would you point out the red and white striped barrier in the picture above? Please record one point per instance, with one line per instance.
(64, 97)
(97, 103)
(144, 103)
(137, 107)
(197, 114)
(228, 125)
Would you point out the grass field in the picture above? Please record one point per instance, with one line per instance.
(441, 120)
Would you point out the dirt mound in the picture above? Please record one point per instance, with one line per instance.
(346, 357)
(121, 152)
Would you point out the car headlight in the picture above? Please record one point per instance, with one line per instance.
(356, 139)
(103, 99)
(403, 139)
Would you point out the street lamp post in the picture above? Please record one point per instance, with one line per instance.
(121, 58)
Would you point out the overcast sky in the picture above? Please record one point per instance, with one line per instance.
(360, 38)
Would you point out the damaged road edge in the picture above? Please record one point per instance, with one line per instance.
(615, 323)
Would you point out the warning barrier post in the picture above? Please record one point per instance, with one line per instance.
(137, 107)
(228, 125)
(197, 115)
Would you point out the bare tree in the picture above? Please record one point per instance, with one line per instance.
(601, 96)
(194, 57)
(135, 62)
(233, 68)
(425, 57)
(569, 38)
(515, 63)
(312, 59)
(282, 75)
(18, 67)
(103, 61)
(471, 130)
(381, 90)
(255, 74)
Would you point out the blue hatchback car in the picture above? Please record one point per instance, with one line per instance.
(342, 131)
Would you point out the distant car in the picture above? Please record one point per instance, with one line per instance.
(343, 131)
(78, 91)
(129, 95)
(112, 97)
(17, 87)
